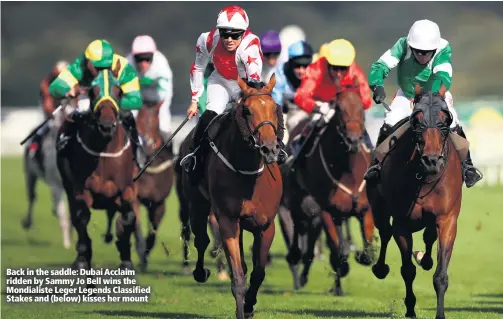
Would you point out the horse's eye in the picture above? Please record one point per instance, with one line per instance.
(246, 111)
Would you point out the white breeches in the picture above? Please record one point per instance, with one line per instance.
(401, 107)
(220, 92)
(295, 116)
(164, 119)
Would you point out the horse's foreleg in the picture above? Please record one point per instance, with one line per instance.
(382, 223)
(155, 215)
(340, 266)
(261, 246)
(286, 224)
(217, 243)
(125, 226)
(429, 237)
(230, 233)
(313, 234)
(367, 256)
(348, 245)
(31, 183)
(447, 230)
(403, 238)
(294, 254)
(185, 232)
(64, 220)
(138, 235)
(110, 217)
(199, 211)
(80, 216)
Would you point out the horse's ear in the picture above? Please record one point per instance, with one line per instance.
(442, 90)
(272, 82)
(116, 69)
(92, 69)
(417, 89)
(242, 85)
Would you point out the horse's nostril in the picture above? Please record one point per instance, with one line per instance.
(264, 150)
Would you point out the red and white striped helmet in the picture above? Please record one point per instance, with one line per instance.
(233, 17)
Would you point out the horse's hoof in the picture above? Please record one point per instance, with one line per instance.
(362, 258)
(337, 291)
(249, 315)
(214, 253)
(201, 275)
(108, 238)
(26, 223)
(143, 264)
(303, 281)
(423, 260)
(126, 264)
(440, 317)
(80, 264)
(411, 314)
(344, 269)
(380, 270)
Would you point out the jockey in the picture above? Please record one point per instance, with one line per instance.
(100, 54)
(235, 51)
(317, 87)
(424, 58)
(288, 79)
(156, 79)
(271, 48)
(48, 106)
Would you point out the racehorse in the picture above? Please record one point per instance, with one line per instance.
(326, 187)
(420, 188)
(154, 186)
(241, 185)
(98, 168)
(45, 168)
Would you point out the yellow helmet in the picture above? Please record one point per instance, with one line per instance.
(323, 50)
(340, 52)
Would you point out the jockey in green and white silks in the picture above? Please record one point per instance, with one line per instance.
(156, 79)
(101, 55)
(423, 58)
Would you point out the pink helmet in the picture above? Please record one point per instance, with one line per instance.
(233, 17)
(143, 44)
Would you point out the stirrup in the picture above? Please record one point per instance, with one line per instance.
(372, 170)
(189, 158)
(476, 171)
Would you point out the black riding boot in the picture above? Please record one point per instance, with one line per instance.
(137, 146)
(189, 162)
(68, 131)
(372, 174)
(471, 174)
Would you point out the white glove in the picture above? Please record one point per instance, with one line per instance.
(323, 107)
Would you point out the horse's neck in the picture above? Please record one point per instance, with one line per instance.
(335, 151)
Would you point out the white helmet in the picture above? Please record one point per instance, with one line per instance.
(233, 17)
(424, 35)
(143, 44)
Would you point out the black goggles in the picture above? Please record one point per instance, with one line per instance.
(233, 34)
(423, 52)
(338, 68)
(148, 57)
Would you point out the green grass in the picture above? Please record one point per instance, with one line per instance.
(475, 272)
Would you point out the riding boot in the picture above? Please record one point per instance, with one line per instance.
(130, 125)
(471, 174)
(367, 140)
(68, 131)
(298, 146)
(372, 174)
(189, 162)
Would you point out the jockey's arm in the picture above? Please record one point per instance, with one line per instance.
(130, 86)
(68, 78)
(442, 70)
(279, 88)
(363, 85)
(379, 70)
(252, 60)
(304, 95)
(165, 84)
(198, 67)
(47, 99)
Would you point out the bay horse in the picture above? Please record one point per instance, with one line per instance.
(325, 186)
(420, 188)
(44, 167)
(97, 169)
(242, 186)
(154, 186)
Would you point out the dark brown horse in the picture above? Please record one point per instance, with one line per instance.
(326, 187)
(154, 186)
(97, 169)
(242, 186)
(419, 188)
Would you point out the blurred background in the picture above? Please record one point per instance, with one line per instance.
(36, 35)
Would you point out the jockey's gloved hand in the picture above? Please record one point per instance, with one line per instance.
(321, 107)
(379, 94)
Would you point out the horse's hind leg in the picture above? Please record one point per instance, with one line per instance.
(403, 238)
(447, 229)
(294, 254)
(199, 210)
(185, 231)
(230, 232)
(261, 246)
(312, 237)
(217, 243)
(349, 246)
(429, 237)
(124, 227)
(31, 183)
(108, 237)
